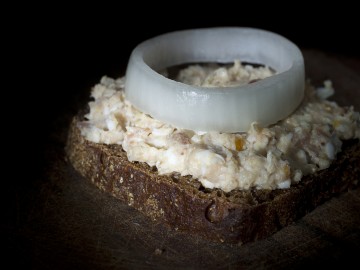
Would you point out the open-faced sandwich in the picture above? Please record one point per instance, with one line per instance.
(223, 149)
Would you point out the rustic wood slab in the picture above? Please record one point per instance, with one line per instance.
(63, 221)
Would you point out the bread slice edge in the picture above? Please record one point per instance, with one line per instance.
(182, 204)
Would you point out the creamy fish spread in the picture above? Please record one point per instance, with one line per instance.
(264, 157)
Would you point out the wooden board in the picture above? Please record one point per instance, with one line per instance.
(62, 221)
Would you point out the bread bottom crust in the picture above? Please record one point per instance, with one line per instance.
(183, 204)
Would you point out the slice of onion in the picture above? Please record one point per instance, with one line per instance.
(223, 109)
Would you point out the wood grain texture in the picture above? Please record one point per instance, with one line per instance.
(60, 221)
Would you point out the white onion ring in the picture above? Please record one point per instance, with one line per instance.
(229, 109)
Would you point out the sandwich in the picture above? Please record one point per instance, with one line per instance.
(230, 152)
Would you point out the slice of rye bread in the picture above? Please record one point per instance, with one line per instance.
(184, 204)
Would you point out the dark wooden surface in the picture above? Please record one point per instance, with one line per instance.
(61, 221)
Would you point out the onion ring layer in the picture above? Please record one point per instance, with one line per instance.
(222, 109)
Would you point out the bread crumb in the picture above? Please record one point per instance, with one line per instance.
(158, 251)
(131, 199)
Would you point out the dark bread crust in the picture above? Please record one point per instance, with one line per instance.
(182, 203)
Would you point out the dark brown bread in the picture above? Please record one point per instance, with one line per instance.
(183, 204)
